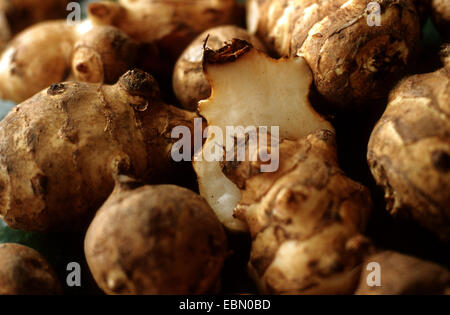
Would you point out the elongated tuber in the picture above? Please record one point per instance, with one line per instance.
(155, 240)
(189, 82)
(354, 56)
(23, 271)
(58, 148)
(52, 52)
(409, 150)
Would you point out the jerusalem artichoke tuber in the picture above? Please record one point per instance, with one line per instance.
(189, 82)
(24, 271)
(155, 240)
(52, 52)
(353, 60)
(305, 216)
(58, 147)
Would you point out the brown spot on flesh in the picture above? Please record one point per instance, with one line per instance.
(229, 53)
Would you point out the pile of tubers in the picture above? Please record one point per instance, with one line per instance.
(89, 148)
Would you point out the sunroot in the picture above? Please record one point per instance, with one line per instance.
(16, 15)
(171, 24)
(155, 240)
(58, 148)
(354, 58)
(409, 150)
(24, 271)
(189, 82)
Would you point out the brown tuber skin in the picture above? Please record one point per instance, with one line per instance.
(155, 240)
(409, 150)
(58, 148)
(306, 219)
(351, 61)
(171, 24)
(23, 271)
(55, 51)
(189, 82)
(16, 15)
(403, 274)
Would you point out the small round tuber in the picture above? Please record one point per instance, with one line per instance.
(155, 240)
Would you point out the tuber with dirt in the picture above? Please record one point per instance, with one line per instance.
(160, 239)
(58, 148)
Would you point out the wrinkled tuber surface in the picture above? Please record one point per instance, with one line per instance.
(305, 219)
(352, 60)
(58, 148)
(409, 150)
(23, 271)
